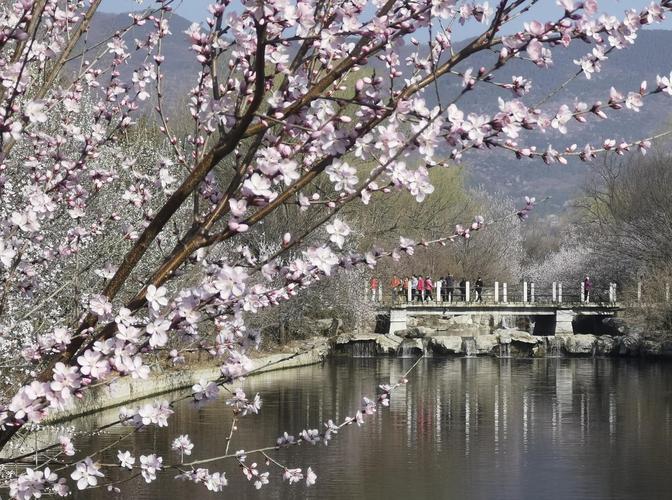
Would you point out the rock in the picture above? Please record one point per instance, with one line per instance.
(605, 346)
(628, 345)
(426, 331)
(323, 325)
(446, 345)
(336, 326)
(487, 344)
(656, 348)
(650, 348)
(666, 348)
(412, 332)
(415, 332)
(343, 338)
(483, 320)
(579, 345)
(504, 335)
(524, 338)
(388, 344)
(463, 319)
(508, 335)
(616, 326)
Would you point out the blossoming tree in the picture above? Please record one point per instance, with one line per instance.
(287, 96)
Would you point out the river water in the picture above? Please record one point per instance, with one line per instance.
(462, 428)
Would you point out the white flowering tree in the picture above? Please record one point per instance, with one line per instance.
(285, 99)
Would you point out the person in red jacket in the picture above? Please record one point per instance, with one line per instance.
(421, 289)
(429, 287)
(374, 288)
(395, 286)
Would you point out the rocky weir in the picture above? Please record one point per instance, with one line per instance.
(502, 343)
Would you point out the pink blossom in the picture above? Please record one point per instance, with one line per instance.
(158, 332)
(311, 477)
(323, 258)
(205, 390)
(182, 444)
(292, 475)
(126, 460)
(216, 481)
(150, 465)
(35, 111)
(338, 231)
(100, 305)
(93, 364)
(86, 474)
(66, 445)
(156, 297)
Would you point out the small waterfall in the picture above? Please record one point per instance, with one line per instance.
(362, 349)
(504, 350)
(469, 347)
(410, 348)
(505, 322)
(553, 347)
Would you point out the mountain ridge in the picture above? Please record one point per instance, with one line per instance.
(500, 171)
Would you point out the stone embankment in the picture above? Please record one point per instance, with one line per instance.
(127, 390)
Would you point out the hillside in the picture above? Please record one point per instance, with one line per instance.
(495, 170)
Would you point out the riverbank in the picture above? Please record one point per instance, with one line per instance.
(127, 390)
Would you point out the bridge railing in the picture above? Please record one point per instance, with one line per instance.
(515, 293)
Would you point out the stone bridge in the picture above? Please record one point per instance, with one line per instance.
(537, 318)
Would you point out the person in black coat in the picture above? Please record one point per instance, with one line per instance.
(463, 289)
(479, 289)
(450, 287)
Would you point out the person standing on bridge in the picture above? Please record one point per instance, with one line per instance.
(587, 287)
(395, 286)
(429, 286)
(374, 288)
(450, 287)
(421, 289)
(463, 289)
(478, 286)
(404, 286)
(414, 288)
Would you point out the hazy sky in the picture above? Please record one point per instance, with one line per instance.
(196, 10)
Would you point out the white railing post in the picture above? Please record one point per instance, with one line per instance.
(496, 292)
(409, 292)
(525, 292)
(438, 297)
(615, 296)
(559, 293)
(639, 292)
(554, 292)
(611, 292)
(667, 292)
(467, 290)
(505, 298)
(531, 292)
(583, 290)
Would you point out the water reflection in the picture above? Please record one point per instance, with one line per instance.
(467, 428)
